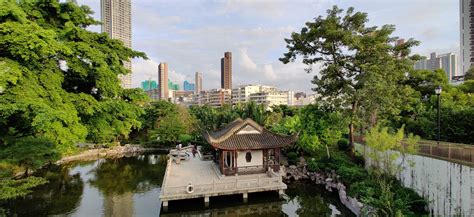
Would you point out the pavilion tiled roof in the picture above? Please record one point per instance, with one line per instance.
(228, 137)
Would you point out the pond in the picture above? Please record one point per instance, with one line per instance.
(130, 186)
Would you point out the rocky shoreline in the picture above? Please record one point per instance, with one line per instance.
(329, 180)
(114, 152)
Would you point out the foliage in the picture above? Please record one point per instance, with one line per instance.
(60, 195)
(29, 153)
(113, 120)
(288, 125)
(351, 174)
(185, 138)
(425, 81)
(214, 118)
(360, 65)
(59, 80)
(312, 166)
(252, 110)
(318, 128)
(469, 74)
(126, 175)
(58, 86)
(382, 144)
(292, 158)
(167, 123)
(206, 148)
(457, 109)
(385, 148)
(343, 144)
(383, 192)
(11, 188)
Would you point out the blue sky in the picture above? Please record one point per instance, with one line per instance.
(192, 35)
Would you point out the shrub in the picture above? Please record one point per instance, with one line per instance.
(343, 144)
(292, 158)
(184, 138)
(364, 188)
(351, 174)
(359, 159)
(206, 148)
(313, 166)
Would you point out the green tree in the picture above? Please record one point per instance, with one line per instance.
(25, 154)
(206, 115)
(318, 128)
(165, 122)
(360, 65)
(58, 77)
(58, 83)
(419, 108)
(469, 74)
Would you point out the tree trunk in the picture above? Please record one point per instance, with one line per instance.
(373, 117)
(327, 150)
(351, 127)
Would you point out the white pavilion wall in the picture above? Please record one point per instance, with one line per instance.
(257, 158)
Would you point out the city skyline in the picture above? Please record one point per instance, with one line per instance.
(192, 35)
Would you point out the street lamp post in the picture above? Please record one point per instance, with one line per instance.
(438, 93)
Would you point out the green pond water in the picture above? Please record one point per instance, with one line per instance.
(130, 186)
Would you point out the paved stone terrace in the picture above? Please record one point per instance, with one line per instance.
(208, 181)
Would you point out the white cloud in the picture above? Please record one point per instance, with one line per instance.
(246, 62)
(193, 35)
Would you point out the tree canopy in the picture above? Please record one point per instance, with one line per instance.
(59, 80)
(58, 86)
(359, 65)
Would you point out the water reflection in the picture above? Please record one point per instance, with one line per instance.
(306, 199)
(270, 209)
(61, 195)
(302, 199)
(130, 186)
(125, 175)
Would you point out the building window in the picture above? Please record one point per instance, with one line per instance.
(271, 157)
(228, 159)
(248, 157)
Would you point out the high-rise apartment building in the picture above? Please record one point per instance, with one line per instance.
(241, 94)
(172, 85)
(188, 86)
(226, 71)
(198, 80)
(448, 62)
(466, 8)
(261, 94)
(149, 85)
(163, 80)
(116, 17)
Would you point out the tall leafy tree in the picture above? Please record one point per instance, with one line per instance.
(58, 86)
(165, 122)
(59, 80)
(359, 65)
